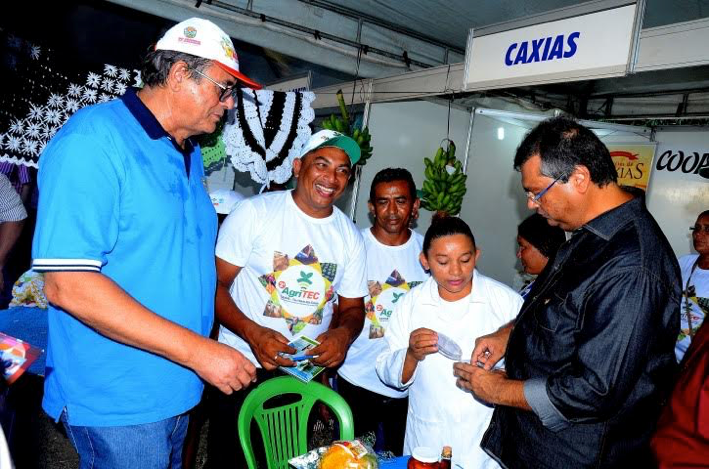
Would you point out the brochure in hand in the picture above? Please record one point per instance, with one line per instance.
(304, 369)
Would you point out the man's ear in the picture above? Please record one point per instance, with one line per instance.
(415, 209)
(370, 205)
(297, 164)
(581, 179)
(177, 76)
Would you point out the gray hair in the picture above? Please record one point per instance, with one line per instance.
(157, 64)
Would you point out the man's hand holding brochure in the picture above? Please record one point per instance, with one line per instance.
(304, 369)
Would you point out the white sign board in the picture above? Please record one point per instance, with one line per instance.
(583, 47)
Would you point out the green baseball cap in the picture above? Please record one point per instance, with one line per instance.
(331, 138)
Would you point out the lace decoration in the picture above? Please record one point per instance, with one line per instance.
(266, 132)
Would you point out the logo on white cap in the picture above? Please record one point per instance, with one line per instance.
(205, 39)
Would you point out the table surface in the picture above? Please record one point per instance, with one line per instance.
(396, 463)
(30, 325)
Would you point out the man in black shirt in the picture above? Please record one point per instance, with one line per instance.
(590, 357)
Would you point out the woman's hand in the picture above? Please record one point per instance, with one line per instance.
(422, 342)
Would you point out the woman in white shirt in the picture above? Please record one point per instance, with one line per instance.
(461, 304)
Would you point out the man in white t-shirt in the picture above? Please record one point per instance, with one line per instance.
(393, 268)
(695, 285)
(283, 258)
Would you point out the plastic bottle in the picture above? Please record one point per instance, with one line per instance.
(446, 456)
(423, 457)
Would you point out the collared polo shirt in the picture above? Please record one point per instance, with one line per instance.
(116, 198)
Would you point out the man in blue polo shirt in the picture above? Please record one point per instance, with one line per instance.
(125, 234)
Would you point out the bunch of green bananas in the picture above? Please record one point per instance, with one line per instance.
(444, 186)
(335, 123)
(342, 125)
(362, 138)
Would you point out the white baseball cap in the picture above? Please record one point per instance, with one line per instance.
(202, 38)
(331, 138)
(224, 200)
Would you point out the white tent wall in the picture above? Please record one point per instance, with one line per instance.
(406, 132)
(228, 178)
(403, 133)
(289, 26)
(495, 203)
(676, 197)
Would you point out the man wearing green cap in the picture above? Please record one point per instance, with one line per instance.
(283, 259)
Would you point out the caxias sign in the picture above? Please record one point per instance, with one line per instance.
(580, 45)
(543, 49)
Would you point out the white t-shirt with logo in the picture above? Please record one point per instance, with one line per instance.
(695, 305)
(391, 272)
(292, 266)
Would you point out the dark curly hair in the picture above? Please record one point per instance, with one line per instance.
(391, 175)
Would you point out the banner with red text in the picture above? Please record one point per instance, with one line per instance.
(633, 161)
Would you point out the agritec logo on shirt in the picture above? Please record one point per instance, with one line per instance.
(299, 288)
(383, 299)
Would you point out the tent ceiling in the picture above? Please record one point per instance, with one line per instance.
(330, 32)
(450, 20)
(434, 33)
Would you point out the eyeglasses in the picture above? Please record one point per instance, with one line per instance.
(699, 229)
(535, 198)
(226, 91)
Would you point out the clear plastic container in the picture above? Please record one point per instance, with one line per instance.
(423, 457)
(449, 348)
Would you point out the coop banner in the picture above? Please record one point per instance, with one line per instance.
(633, 162)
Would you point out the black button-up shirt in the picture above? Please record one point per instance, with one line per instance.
(594, 342)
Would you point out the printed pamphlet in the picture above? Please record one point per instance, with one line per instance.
(304, 369)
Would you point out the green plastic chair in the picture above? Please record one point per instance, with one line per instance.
(284, 429)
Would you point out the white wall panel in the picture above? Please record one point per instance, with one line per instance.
(675, 198)
(495, 203)
(403, 134)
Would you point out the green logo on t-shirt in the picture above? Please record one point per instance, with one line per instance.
(382, 299)
(305, 278)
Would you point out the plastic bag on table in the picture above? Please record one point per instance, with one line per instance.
(340, 455)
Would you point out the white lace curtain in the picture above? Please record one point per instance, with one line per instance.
(266, 132)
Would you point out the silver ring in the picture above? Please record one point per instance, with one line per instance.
(275, 357)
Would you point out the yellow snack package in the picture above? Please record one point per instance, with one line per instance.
(348, 455)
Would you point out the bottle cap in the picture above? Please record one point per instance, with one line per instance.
(425, 454)
(447, 452)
